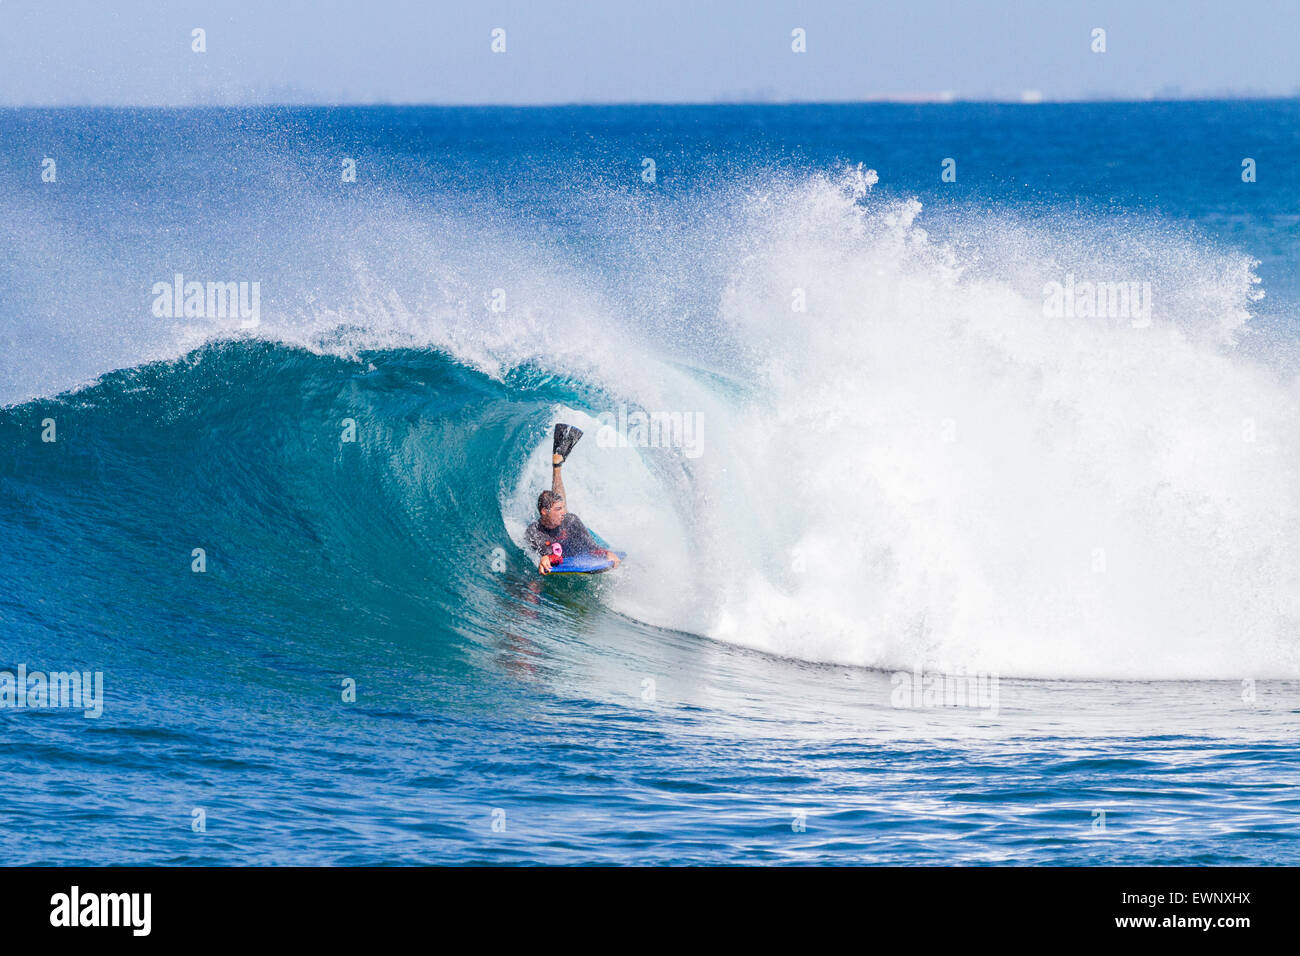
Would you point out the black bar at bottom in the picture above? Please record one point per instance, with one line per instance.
(332, 905)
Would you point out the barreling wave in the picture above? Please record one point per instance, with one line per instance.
(917, 468)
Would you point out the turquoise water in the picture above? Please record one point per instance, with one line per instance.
(921, 472)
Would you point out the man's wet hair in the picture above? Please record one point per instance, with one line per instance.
(546, 499)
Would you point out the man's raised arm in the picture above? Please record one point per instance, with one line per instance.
(557, 482)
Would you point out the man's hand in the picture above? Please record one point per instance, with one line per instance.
(613, 557)
(544, 566)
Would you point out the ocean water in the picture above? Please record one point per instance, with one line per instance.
(898, 470)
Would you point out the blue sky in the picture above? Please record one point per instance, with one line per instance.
(137, 52)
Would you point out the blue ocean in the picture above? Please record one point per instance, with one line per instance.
(954, 449)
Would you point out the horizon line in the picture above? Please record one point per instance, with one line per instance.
(1027, 98)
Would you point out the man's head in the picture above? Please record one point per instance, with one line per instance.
(552, 509)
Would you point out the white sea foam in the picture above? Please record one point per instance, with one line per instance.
(943, 477)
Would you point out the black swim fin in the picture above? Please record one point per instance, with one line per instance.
(566, 436)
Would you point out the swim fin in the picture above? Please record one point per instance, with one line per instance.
(566, 436)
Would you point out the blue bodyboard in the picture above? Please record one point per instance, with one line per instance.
(588, 563)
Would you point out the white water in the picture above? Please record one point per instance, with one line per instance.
(931, 473)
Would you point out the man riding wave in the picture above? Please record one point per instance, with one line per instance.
(555, 525)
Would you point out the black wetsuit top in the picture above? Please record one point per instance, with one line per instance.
(571, 533)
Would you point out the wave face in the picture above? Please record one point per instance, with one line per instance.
(902, 461)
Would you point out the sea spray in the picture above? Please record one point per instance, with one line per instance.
(953, 462)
